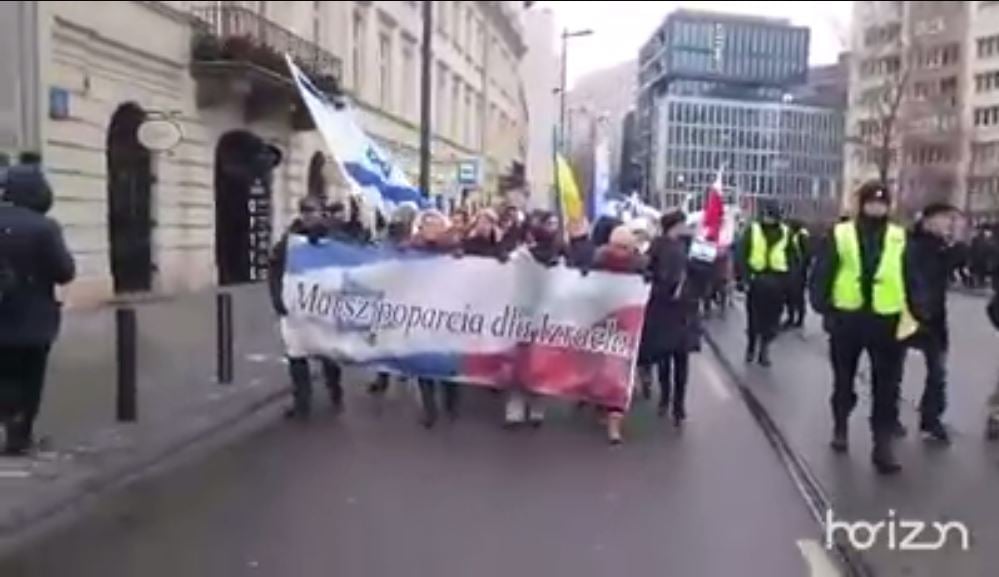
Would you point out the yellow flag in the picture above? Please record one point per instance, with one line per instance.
(572, 203)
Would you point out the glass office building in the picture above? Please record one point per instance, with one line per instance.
(713, 95)
(764, 149)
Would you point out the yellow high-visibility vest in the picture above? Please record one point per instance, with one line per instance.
(889, 283)
(767, 258)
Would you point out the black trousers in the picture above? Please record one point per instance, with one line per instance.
(849, 339)
(22, 378)
(301, 381)
(764, 304)
(934, 400)
(674, 371)
(796, 301)
(428, 396)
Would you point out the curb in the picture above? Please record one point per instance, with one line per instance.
(804, 479)
(34, 519)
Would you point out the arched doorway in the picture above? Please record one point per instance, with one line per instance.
(317, 177)
(244, 166)
(130, 181)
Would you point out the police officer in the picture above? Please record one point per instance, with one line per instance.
(763, 265)
(798, 278)
(859, 288)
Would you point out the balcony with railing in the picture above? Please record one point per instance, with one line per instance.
(237, 55)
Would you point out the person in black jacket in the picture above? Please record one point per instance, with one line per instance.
(33, 260)
(314, 222)
(672, 327)
(928, 265)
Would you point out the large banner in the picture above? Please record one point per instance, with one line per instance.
(551, 331)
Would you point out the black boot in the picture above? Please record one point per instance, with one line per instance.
(333, 374)
(764, 359)
(935, 432)
(751, 350)
(301, 391)
(19, 439)
(883, 455)
(428, 397)
(841, 437)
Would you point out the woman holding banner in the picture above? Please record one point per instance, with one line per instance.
(433, 235)
(672, 324)
(619, 255)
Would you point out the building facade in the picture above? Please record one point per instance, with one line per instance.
(910, 114)
(982, 116)
(716, 95)
(82, 81)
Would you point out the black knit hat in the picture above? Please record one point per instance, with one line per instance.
(671, 219)
(873, 191)
(935, 208)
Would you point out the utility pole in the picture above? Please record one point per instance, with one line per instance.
(426, 67)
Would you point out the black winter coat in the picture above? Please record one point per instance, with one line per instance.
(672, 322)
(32, 247)
(927, 265)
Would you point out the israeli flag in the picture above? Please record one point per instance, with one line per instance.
(381, 183)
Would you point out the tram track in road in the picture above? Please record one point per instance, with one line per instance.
(805, 481)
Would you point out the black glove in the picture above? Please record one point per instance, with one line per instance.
(647, 277)
(282, 311)
(741, 287)
(503, 257)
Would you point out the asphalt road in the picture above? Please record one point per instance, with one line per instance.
(937, 484)
(370, 493)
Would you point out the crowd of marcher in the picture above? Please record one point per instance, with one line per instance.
(879, 288)
(671, 330)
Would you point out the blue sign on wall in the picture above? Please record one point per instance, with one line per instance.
(58, 103)
(468, 172)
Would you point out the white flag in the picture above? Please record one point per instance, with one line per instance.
(382, 183)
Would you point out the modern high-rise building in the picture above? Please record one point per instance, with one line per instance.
(715, 95)
(910, 110)
(982, 115)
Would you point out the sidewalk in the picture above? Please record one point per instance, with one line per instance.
(179, 400)
(957, 483)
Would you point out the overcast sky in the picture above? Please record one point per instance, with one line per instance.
(620, 28)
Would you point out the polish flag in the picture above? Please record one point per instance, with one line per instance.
(714, 211)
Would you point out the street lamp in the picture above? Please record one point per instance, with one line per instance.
(566, 35)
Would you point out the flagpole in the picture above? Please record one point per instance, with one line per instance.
(557, 181)
(426, 66)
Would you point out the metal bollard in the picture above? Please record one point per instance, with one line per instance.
(224, 351)
(127, 398)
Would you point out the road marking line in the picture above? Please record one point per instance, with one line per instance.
(819, 563)
(15, 474)
(716, 384)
